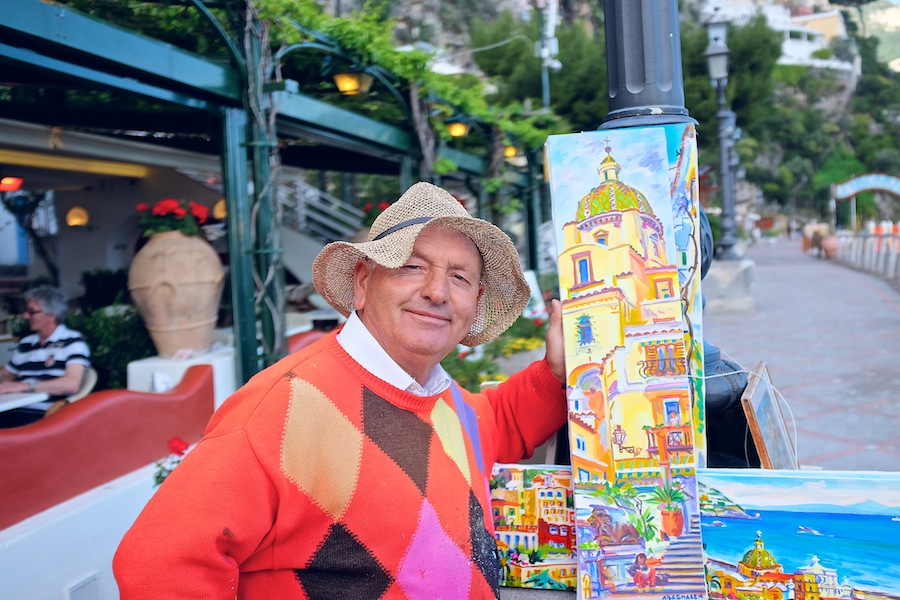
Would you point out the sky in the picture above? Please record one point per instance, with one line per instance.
(641, 152)
(761, 489)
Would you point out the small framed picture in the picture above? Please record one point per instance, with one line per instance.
(770, 430)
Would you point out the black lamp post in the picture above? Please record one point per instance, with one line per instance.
(717, 61)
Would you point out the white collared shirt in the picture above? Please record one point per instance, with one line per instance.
(362, 347)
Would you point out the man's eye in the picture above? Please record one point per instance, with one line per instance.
(411, 267)
(459, 277)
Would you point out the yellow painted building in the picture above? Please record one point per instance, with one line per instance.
(624, 332)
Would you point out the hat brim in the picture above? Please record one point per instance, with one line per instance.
(506, 292)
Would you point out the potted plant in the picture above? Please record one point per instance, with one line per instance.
(669, 498)
(176, 278)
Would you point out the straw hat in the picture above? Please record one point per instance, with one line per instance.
(390, 243)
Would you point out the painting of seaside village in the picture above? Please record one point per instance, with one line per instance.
(625, 216)
(534, 523)
(804, 535)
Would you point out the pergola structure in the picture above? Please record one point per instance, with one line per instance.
(128, 82)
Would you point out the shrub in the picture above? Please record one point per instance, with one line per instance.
(116, 335)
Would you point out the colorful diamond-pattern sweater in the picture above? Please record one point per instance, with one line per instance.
(319, 480)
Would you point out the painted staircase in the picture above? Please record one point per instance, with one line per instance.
(682, 566)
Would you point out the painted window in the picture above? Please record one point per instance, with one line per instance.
(602, 238)
(663, 288)
(585, 331)
(581, 443)
(584, 271)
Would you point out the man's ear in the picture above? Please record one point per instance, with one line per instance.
(361, 272)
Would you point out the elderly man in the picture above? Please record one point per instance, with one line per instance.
(356, 468)
(52, 359)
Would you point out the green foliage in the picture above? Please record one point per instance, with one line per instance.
(536, 556)
(103, 287)
(667, 496)
(645, 524)
(444, 165)
(116, 335)
(470, 372)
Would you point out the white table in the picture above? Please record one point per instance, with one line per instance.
(11, 401)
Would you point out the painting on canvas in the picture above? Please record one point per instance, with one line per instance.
(624, 214)
(801, 534)
(534, 518)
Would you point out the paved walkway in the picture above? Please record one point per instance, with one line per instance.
(830, 337)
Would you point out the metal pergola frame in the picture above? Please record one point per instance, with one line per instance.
(47, 45)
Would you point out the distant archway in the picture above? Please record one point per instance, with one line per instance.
(865, 183)
(870, 182)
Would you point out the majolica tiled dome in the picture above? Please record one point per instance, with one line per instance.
(759, 558)
(612, 194)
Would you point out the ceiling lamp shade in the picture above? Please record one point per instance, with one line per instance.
(220, 209)
(11, 184)
(77, 217)
(352, 84)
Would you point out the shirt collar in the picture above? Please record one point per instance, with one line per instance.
(362, 347)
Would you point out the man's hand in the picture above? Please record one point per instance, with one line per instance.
(556, 351)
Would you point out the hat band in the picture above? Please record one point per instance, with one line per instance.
(401, 225)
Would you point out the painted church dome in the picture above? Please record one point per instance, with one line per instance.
(758, 558)
(612, 194)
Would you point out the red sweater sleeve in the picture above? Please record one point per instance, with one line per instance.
(526, 410)
(208, 516)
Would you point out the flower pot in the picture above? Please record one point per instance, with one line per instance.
(176, 284)
(672, 522)
(830, 244)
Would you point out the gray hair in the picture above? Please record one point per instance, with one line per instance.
(53, 301)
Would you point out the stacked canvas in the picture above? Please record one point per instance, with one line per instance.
(766, 534)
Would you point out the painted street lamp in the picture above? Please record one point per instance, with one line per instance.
(717, 62)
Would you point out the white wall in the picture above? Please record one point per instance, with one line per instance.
(110, 239)
(72, 543)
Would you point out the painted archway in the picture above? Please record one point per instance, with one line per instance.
(870, 182)
(865, 183)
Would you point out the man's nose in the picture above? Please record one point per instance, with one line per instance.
(435, 286)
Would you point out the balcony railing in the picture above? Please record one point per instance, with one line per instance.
(668, 367)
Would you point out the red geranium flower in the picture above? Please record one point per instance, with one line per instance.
(199, 211)
(164, 207)
(372, 211)
(177, 446)
(172, 215)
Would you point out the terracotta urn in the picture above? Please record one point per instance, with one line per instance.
(176, 284)
(830, 245)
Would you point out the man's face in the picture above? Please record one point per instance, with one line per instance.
(420, 311)
(36, 316)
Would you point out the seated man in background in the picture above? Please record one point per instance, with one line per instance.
(52, 359)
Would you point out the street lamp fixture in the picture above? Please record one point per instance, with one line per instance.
(353, 84)
(457, 127)
(717, 61)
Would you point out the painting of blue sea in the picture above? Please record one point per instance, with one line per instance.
(800, 534)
